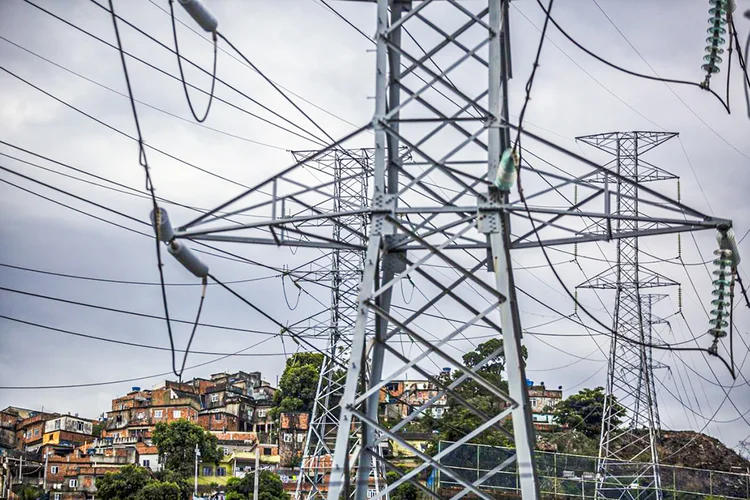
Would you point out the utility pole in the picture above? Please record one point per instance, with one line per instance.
(628, 463)
(197, 457)
(256, 478)
(46, 461)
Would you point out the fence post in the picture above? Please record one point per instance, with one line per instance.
(674, 481)
(711, 483)
(477, 462)
(554, 470)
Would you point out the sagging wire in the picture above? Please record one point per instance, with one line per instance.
(182, 74)
(283, 288)
(413, 287)
(204, 283)
(143, 161)
(627, 71)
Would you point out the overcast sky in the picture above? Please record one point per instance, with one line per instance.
(309, 51)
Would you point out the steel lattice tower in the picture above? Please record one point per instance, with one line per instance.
(351, 172)
(628, 460)
(435, 217)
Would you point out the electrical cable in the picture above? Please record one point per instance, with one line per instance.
(125, 282)
(258, 117)
(195, 327)
(132, 313)
(132, 344)
(190, 28)
(77, 210)
(227, 254)
(627, 71)
(142, 103)
(134, 379)
(182, 74)
(142, 145)
(529, 85)
(612, 332)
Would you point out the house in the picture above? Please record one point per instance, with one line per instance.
(64, 433)
(30, 431)
(399, 398)
(292, 435)
(542, 401)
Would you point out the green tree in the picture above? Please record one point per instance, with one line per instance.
(270, 487)
(29, 493)
(584, 411)
(458, 420)
(176, 442)
(404, 491)
(125, 484)
(298, 383)
(158, 490)
(97, 429)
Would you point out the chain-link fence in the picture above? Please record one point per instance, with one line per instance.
(574, 476)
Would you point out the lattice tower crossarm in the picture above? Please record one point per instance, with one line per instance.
(628, 465)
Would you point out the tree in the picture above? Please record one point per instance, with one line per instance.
(97, 429)
(125, 484)
(458, 420)
(157, 490)
(584, 411)
(404, 491)
(176, 442)
(270, 487)
(298, 384)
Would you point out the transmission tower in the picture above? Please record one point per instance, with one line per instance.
(351, 171)
(435, 218)
(628, 459)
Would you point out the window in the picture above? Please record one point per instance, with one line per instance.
(157, 413)
(177, 414)
(208, 471)
(218, 416)
(73, 483)
(36, 431)
(221, 471)
(214, 398)
(287, 438)
(54, 469)
(57, 496)
(261, 413)
(300, 438)
(226, 450)
(267, 451)
(79, 426)
(57, 424)
(147, 463)
(140, 415)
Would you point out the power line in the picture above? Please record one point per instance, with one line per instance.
(629, 72)
(135, 379)
(131, 344)
(689, 108)
(126, 282)
(166, 73)
(124, 134)
(190, 28)
(143, 103)
(133, 313)
(254, 101)
(182, 73)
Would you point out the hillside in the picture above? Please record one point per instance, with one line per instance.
(680, 448)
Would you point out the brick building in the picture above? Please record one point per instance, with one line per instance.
(292, 434)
